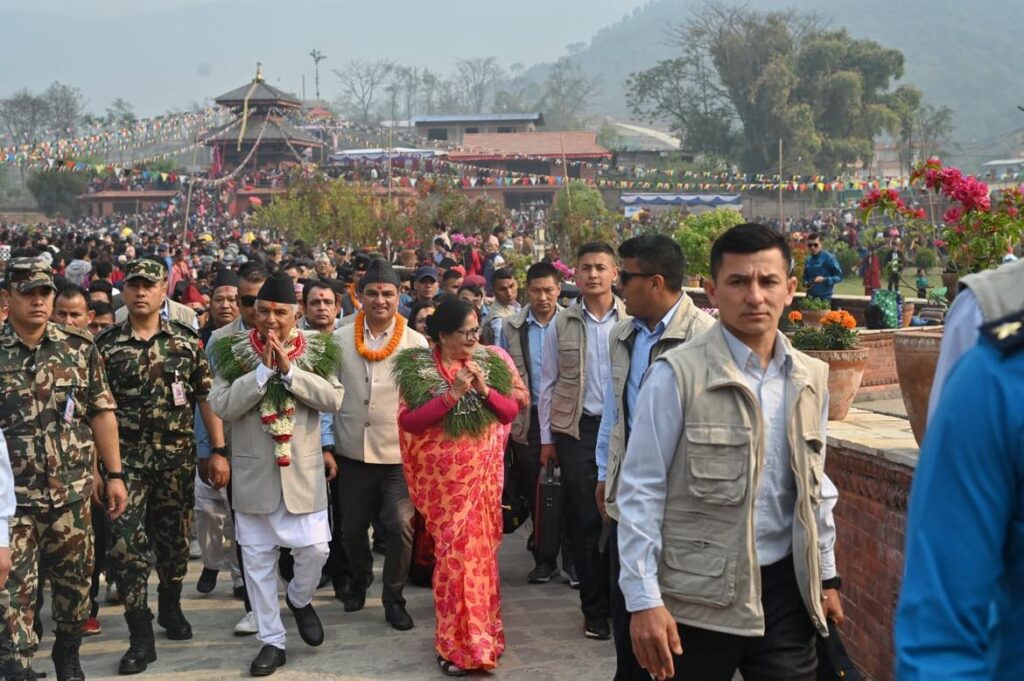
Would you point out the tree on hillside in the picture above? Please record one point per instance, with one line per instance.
(121, 113)
(567, 94)
(476, 78)
(25, 116)
(66, 108)
(772, 76)
(361, 81)
(515, 93)
(921, 130)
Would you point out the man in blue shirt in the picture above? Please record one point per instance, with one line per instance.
(821, 270)
(965, 528)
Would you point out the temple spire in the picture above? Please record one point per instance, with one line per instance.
(259, 73)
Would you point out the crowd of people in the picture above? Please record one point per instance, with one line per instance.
(312, 404)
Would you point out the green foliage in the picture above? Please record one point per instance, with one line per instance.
(567, 95)
(319, 211)
(698, 232)
(579, 216)
(848, 258)
(809, 303)
(477, 215)
(609, 138)
(747, 79)
(838, 332)
(57, 193)
(518, 263)
(926, 258)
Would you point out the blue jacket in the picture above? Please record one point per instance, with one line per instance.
(822, 264)
(961, 607)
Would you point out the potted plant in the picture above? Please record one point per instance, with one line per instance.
(837, 344)
(813, 311)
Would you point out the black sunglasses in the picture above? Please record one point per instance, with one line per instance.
(247, 301)
(625, 276)
(813, 245)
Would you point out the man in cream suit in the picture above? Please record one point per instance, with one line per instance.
(279, 492)
(370, 478)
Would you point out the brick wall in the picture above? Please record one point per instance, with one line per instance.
(870, 521)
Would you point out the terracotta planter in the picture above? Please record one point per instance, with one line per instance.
(917, 354)
(907, 314)
(951, 280)
(845, 371)
(812, 318)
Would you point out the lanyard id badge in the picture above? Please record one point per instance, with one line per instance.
(69, 410)
(178, 392)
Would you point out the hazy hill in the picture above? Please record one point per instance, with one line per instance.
(964, 55)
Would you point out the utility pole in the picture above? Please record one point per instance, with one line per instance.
(318, 57)
(782, 222)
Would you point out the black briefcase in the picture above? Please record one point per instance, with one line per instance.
(515, 509)
(547, 531)
(833, 660)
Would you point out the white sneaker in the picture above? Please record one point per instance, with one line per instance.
(112, 595)
(194, 551)
(247, 625)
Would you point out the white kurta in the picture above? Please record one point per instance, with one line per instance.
(281, 528)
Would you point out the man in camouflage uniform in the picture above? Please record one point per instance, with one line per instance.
(158, 373)
(55, 408)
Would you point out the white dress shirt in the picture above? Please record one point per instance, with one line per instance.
(652, 449)
(598, 369)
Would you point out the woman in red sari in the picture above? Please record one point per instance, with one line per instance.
(457, 403)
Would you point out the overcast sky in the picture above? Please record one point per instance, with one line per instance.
(163, 54)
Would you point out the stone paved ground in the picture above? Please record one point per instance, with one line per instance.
(543, 625)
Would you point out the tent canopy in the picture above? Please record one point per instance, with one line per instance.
(710, 200)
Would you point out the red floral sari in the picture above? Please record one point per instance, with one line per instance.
(455, 483)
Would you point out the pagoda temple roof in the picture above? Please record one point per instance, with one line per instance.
(260, 94)
(277, 130)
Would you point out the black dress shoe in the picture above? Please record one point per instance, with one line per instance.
(597, 629)
(398, 617)
(354, 602)
(239, 592)
(207, 581)
(310, 629)
(267, 662)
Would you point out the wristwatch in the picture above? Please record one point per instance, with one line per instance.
(327, 448)
(833, 583)
(223, 451)
(117, 475)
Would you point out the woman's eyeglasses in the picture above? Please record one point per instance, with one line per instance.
(469, 334)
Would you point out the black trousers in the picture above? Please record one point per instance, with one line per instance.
(626, 666)
(336, 566)
(238, 552)
(366, 491)
(786, 652)
(99, 530)
(583, 521)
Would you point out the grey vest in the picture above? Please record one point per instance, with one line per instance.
(708, 570)
(567, 400)
(1000, 291)
(689, 321)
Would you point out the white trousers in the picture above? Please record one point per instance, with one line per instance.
(260, 564)
(213, 526)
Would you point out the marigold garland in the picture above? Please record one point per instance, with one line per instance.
(387, 350)
(356, 305)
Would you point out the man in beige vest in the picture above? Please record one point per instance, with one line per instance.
(279, 494)
(522, 336)
(663, 317)
(574, 372)
(371, 482)
(725, 527)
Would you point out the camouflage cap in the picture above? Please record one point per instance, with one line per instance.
(28, 273)
(145, 268)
